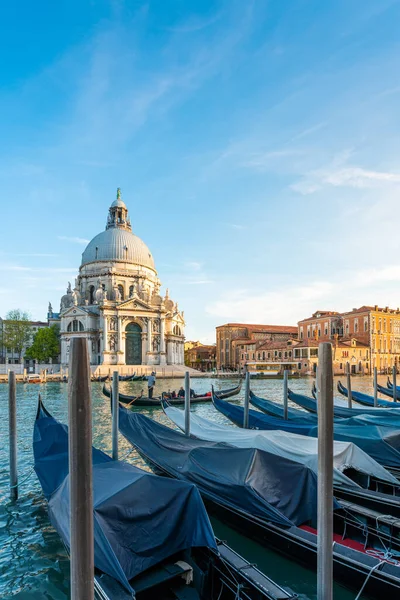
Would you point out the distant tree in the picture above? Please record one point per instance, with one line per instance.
(46, 344)
(17, 331)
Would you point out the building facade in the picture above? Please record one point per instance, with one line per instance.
(231, 336)
(202, 358)
(116, 302)
(373, 328)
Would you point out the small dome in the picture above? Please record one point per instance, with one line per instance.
(117, 244)
(118, 202)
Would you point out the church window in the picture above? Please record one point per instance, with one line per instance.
(75, 325)
(91, 294)
(263, 355)
(121, 291)
(177, 331)
(130, 290)
(69, 328)
(81, 327)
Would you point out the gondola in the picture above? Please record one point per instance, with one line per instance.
(380, 442)
(268, 498)
(144, 401)
(341, 408)
(105, 378)
(390, 387)
(389, 392)
(172, 552)
(377, 416)
(367, 400)
(127, 377)
(356, 476)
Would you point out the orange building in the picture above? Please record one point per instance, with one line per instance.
(201, 358)
(231, 335)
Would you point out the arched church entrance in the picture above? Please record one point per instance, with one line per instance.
(133, 344)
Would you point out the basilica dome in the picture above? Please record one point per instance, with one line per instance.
(117, 242)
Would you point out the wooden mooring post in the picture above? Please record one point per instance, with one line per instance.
(348, 376)
(187, 404)
(325, 474)
(394, 374)
(80, 472)
(285, 394)
(375, 386)
(115, 403)
(246, 400)
(12, 426)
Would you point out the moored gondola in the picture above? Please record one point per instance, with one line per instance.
(144, 401)
(270, 500)
(357, 477)
(379, 441)
(172, 552)
(367, 400)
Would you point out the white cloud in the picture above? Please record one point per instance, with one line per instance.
(287, 305)
(236, 226)
(194, 265)
(74, 240)
(351, 176)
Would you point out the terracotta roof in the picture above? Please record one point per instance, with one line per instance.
(308, 343)
(271, 328)
(359, 310)
(323, 314)
(347, 344)
(277, 346)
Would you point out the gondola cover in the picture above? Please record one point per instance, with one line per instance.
(380, 442)
(247, 480)
(299, 448)
(139, 519)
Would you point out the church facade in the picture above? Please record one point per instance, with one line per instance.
(116, 302)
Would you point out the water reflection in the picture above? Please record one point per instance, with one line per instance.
(33, 562)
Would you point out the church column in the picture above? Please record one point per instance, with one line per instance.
(105, 340)
(162, 335)
(121, 359)
(149, 335)
(144, 347)
(163, 356)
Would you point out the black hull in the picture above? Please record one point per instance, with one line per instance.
(301, 546)
(144, 401)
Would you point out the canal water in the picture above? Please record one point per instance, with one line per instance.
(33, 562)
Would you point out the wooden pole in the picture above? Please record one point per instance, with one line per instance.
(80, 470)
(375, 386)
(285, 394)
(325, 474)
(187, 404)
(348, 385)
(394, 373)
(115, 403)
(246, 400)
(12, 425)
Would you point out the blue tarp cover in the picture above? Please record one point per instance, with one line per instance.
(139, 519)
(380, 442)
(249, 480)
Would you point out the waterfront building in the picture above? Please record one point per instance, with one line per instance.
(116, 302)
(374, 328)
(301, 357)
(231, 335)
(202, 357)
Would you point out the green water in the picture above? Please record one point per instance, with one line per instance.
(33, 563)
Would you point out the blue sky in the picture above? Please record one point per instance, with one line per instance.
(256, 144)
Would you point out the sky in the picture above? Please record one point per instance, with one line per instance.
(257, 146)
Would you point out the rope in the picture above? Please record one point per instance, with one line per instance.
(23, 480)
(368, 576)
(128, 454)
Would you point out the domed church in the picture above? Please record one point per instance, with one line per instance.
(116, 302)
